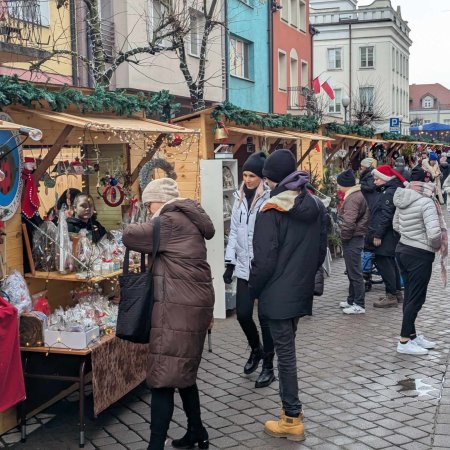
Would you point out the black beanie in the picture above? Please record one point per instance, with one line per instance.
(346, 178)
(279, 165)
(255, 164)
(418, 174)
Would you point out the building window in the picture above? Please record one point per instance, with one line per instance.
(334, 58)
(302, 16)
(158, 15)
(34, 11)
(366, 57)
(293, 10)
(305, 74)
(197, 24)
(239, 58)
(427, 102)
(447, 121)
(366, 98)
(282, 82)
(426, 121)
(285, 10)
(393, 59)
(334, 106)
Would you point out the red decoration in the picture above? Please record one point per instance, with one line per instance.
(42, 306)
(113, 195)
(30, 197)
(176, 141)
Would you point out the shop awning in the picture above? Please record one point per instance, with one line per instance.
(311, 136)
(359, 138)
(10, 126)
(110, 124)
(261, 133)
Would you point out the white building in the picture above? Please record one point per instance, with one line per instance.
(365, 52)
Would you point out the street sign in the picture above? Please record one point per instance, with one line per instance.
(394, 125)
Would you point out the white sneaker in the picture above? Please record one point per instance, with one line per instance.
(354, 309)
(411, 348)
(344, 305)
(424, 343)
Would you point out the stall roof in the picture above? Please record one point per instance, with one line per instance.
(11, 126)
(313, 137)
(261, 133)
(109, 123)
(359, 138)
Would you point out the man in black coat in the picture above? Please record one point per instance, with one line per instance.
(383, 236)
(289, 246)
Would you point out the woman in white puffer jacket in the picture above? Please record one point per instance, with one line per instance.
(238, 257)
(418, 219)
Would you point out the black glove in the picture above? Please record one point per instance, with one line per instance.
(227, 276)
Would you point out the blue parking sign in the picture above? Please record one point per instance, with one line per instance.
(394, 124)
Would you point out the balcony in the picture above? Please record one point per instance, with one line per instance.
(301, 100)
(21, 23)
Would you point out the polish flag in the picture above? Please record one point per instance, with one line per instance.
(316, 85)
(326, 85)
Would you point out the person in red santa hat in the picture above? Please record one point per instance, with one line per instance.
(383, 236)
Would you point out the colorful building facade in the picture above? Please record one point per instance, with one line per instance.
(248, 54)
(292, 50)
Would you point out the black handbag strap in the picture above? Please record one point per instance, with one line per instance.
(155, 249)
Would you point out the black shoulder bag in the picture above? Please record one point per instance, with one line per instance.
(136, 296)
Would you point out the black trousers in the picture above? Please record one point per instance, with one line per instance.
(388, 269)
(283, 333)
(244, 312)
(161, 410)
(352, 257)
(416, 272)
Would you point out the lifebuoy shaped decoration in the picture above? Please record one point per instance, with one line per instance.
(11, 165)
(113, 195)
(147, 170)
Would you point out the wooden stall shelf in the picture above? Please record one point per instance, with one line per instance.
(72, 277)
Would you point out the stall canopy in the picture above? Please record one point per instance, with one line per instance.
(261, 133)
(428, 127)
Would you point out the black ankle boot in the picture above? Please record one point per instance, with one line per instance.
(191, 438)
(266, 376)
(253, 361)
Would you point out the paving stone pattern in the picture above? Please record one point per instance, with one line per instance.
(358, 393)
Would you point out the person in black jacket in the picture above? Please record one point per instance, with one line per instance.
(383, 236)
(289, 246)
(84, 218)
(368, 188)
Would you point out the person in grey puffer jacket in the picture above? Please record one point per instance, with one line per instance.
(238, 258)
(419, 223)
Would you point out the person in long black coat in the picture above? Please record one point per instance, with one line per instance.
(383, 236)
(289, 246)
(368, 188)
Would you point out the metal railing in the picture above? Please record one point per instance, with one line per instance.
(297, 98)
(21, 22)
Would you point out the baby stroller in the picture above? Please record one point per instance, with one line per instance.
(369, 269)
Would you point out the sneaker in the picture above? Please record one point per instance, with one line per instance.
(424, 343)
(344, 305)
(354, 309)
(411, 348)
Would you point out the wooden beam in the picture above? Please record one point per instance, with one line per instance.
(392, 149)
(335, 148)
(148, 157)
(312, 144)
(52, 153)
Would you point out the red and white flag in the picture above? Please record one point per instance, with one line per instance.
(328, 88)
(316, 85)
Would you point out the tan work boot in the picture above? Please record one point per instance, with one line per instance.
(287, 427)
(386, 302)
(283, 414)
(399, 295)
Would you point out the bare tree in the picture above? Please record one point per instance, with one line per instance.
(316, 105)
(367, 106)
(168, 33)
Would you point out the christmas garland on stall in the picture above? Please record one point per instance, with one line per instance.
(15, 92)
(359, 130)
(410, 138)
(232, 113)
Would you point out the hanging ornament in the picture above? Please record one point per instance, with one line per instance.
(176, 141)
(147, 170)
(77, 167)
(221, 133)
(30, 197)
(113, 195)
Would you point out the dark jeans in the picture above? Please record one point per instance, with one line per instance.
(352, 257)
(388, 269)
(283, 334)
(244, 312)
(416, 272)
(161, 410)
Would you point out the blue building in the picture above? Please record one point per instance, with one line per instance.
(248, 54)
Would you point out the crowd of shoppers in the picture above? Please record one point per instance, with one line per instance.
(277, 244)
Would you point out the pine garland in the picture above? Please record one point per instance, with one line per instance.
(15, 92)
(359, 130)
(245, 117)
(410, 138)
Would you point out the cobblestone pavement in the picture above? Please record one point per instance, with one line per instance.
(358, 393)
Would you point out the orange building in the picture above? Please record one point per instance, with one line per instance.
(292, 50)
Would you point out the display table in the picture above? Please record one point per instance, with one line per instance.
(114, 367)
(72, 277)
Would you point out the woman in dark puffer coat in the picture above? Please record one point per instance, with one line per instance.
(183, 307)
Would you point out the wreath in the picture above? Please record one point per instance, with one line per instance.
(113, 195)
(147, 170)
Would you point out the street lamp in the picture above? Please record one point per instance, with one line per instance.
(345, 104)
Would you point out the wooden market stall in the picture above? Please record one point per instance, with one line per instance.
(122, 144)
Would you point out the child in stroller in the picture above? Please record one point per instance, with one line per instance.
(369, 268)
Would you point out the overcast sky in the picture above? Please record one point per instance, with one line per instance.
(429, 21)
